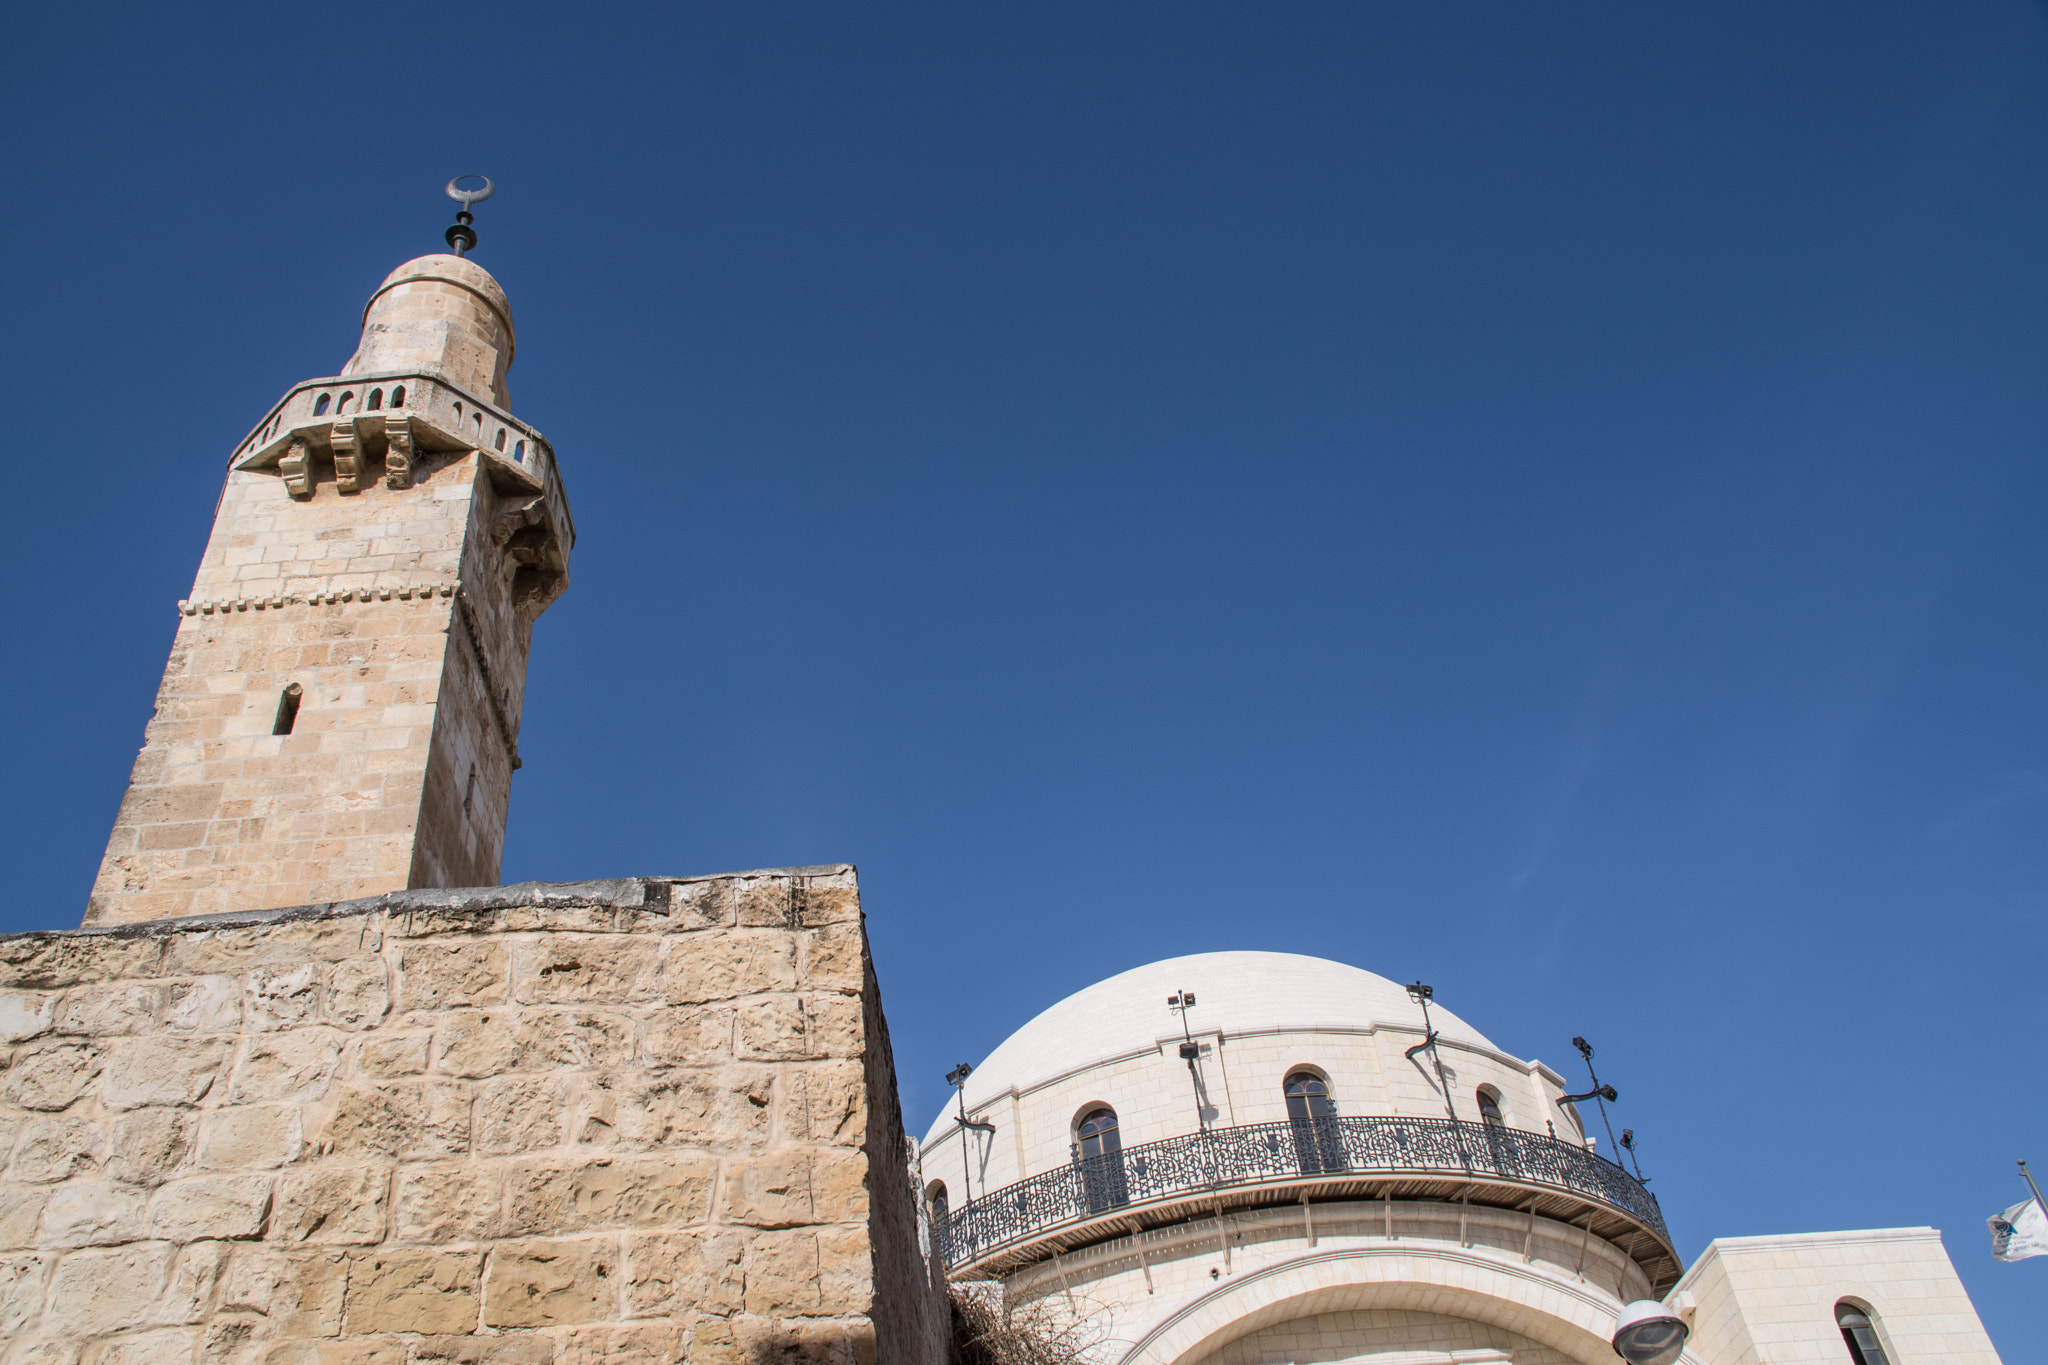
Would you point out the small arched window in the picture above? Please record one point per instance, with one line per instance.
(398, 396)
(935, 1195)
(500, 442)
(376, 401)
(1096, 1133)
(342, 406)
(519, 452)
(458, 412)
(1859, 1332)
(1308, 1096)
(320, 404)
(1489, 1107)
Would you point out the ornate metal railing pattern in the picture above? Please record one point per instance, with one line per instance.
(1258, 1153)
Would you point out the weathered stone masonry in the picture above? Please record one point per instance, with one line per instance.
(648, 1120)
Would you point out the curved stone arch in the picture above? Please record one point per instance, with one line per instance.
(1559, 1312)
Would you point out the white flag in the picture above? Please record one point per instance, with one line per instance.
(2021, 1231)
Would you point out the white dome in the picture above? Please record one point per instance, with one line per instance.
(1236, 993)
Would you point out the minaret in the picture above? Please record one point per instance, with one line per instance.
(340, 714)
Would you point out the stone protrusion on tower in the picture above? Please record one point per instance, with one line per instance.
(340, 714)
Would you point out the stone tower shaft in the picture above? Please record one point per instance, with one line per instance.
(340, 714)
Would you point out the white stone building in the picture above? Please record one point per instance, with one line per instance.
(1285, 1172)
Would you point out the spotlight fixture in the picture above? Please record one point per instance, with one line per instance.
(1647, 1333)
(957, 1077)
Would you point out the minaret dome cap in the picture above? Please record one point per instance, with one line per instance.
(443, 315)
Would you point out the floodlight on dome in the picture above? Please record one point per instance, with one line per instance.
(1648, 1333)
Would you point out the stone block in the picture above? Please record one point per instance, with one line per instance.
(767, 902)
(412, 1290)
(674, 1273)
(83, 1214)
(99, 1292)
(491, 1042)
(671, 1192)
(693, 1038)
(388, 1055)
(551, 1283)
(563, 969)
(146, 1071)
(21, 1214)
(519, 1114)
(720, 966)
(836, 959)
(503, 1348)
(52, 962)
(799, 1028)
(443, 1204)
(25, 1015)
(241, 948)
(331, 1204)
(299, 1065)
(441, 975)
(809, 1272)
(637, 1111)
(149, 1144)
(825, 1102)
(171, 1346)
(798, 1341)
(793, 1188)
(409, 1120)
(224, 1207)
(644, 1343)
(109, 1009)
(49, 1076)
(54, 1149)
(281, 997)
(254, 1136)
(22, 1278)
(188, 1293)
(207, 1004)
(699, 905)
(296, 1293)
(359, 992)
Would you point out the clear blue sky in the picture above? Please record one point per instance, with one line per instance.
(1547, 499)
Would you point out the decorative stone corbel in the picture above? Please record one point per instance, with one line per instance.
(348, 456)
(296, 466)
(398, 458)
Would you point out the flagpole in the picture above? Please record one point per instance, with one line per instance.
(2028, 1176)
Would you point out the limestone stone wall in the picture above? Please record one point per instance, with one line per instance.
(1772, 1300)
(640, 1121)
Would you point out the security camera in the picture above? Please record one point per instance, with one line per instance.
(1648, 1333)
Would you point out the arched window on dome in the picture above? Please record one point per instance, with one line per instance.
(342, 406)
(1489, 1108)
(320, 404)
(398, 396)
(1099, 1152)
(1312, 1114)
(376, 401)
(1859, 1332)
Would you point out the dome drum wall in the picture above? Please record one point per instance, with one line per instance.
(1182, 1294)
(442, 315)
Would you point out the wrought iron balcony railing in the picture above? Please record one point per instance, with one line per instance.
(1321, 1151)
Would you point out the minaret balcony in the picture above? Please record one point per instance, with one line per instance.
(440, 417)
(1207, 1173)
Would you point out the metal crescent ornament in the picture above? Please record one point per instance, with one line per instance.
(469, 197)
